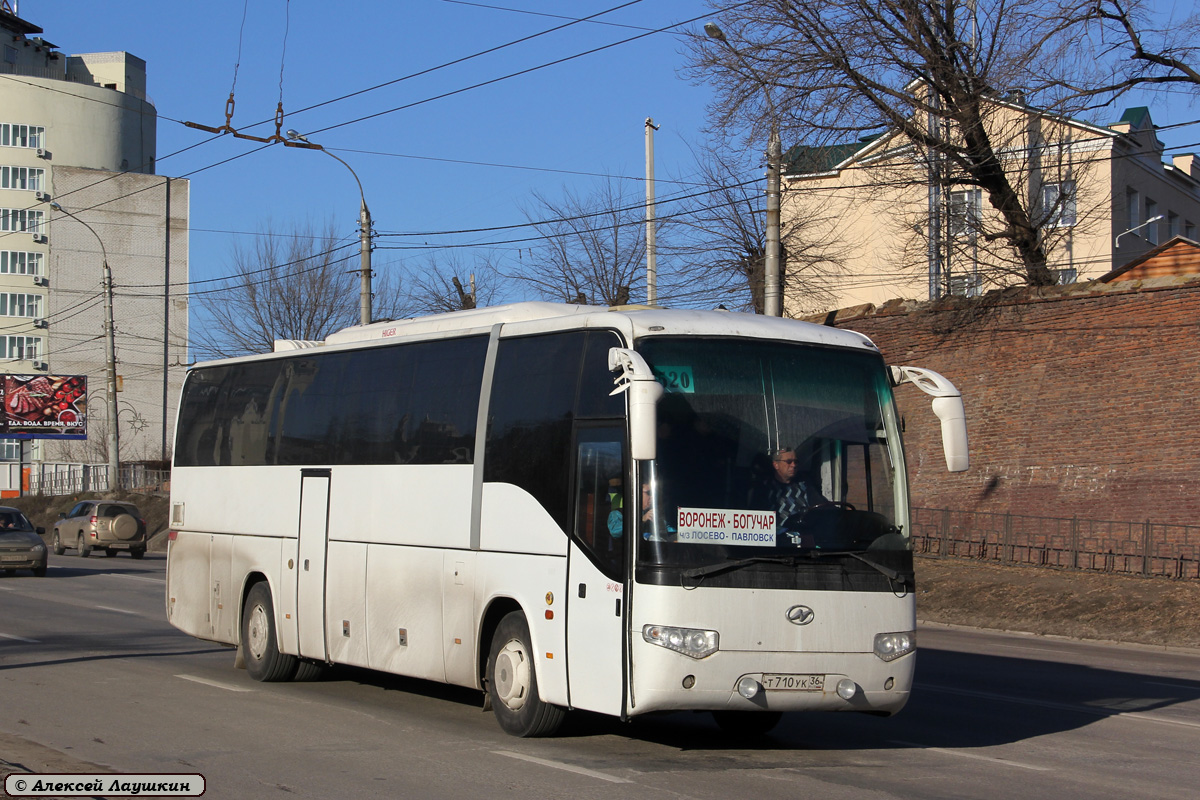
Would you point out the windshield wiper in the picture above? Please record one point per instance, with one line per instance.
(887, 572)
(713, 569)
(791, 561)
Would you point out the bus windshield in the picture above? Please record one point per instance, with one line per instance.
(769, 451)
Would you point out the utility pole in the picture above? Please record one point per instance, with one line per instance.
(364, 246)
(772, 305)
(651, 251)
(110, 348)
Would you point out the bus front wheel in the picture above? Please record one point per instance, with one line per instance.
(512, 682)
(260, 650)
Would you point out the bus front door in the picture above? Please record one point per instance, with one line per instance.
(595, 574)
(310, 581)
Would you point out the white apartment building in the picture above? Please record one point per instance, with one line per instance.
(80, 131)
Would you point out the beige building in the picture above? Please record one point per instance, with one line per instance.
(80, 131)
(1101, 196)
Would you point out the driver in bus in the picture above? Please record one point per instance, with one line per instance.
(783, 490)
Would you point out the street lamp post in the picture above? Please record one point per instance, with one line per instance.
(110, 343)
(1151, 221)
(772, 305)
(364, 218)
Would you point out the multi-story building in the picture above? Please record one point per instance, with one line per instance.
(79, 132)
(1100, 196)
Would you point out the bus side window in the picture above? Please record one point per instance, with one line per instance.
(601, 521)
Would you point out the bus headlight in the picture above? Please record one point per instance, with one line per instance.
(890, 646)
(689, 641)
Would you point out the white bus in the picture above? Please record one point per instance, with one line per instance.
(559, 505)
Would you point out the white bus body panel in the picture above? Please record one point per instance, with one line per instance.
(514, 521)
(537, 584)
(311, 574)
(187, 585)
(460, 618)
(838, 643)
(417, 505)
(595, 656)
(403, 628)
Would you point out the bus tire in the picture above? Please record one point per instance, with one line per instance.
(260, 650)
(747, 723)
(512, 682)
(309, 670)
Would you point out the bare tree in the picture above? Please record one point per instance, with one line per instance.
(721, 233)
(592, 247)
(1119, 45)
(445, 285)
(289, 284)
(932, 73)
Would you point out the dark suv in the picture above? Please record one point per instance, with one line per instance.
(101, 525)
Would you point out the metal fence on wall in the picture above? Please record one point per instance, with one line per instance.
(1132, 548)
(58, 479)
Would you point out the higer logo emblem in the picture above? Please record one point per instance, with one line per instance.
(800, 615)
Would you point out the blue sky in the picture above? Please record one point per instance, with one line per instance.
(585, 115)
(429, 167)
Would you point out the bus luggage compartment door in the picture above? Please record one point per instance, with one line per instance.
(310, 579)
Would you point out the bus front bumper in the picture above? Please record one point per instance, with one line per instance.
(775, 681)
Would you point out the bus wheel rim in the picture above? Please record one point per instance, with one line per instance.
(257, 632)
(512, 675)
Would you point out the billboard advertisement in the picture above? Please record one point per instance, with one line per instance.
(44, 407)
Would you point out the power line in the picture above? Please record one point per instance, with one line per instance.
(518, 73)
(466, 162)
(409, 105)
(543, 14)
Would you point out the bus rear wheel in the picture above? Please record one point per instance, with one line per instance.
(260, 650)
(512, 682)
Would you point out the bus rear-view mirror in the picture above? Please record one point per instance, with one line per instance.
(644, 392)
(947, 405)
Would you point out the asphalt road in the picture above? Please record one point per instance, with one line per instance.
(92, 678)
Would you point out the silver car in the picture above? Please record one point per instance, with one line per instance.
(105, 525)
(21, 545)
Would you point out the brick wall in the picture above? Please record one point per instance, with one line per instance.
(1081, 401)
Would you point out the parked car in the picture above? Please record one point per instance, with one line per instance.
(21, 545)
(101, 525)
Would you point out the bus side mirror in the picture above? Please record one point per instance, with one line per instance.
(947, 405)
(644, 392)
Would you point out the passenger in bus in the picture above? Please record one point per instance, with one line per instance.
(654, 524)
(648, 526)
(783, 490)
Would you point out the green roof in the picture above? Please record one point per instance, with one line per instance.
(1137, 116)
(805, 160)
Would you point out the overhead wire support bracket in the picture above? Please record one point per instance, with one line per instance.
(228, 128)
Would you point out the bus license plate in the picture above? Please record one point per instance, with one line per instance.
(794, 683)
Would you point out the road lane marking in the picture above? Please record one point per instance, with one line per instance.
(560, 765)
(1003, 761)
(1081, 709)
(135, 577)
(18, 638)
(118, 610)
(215, 684)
